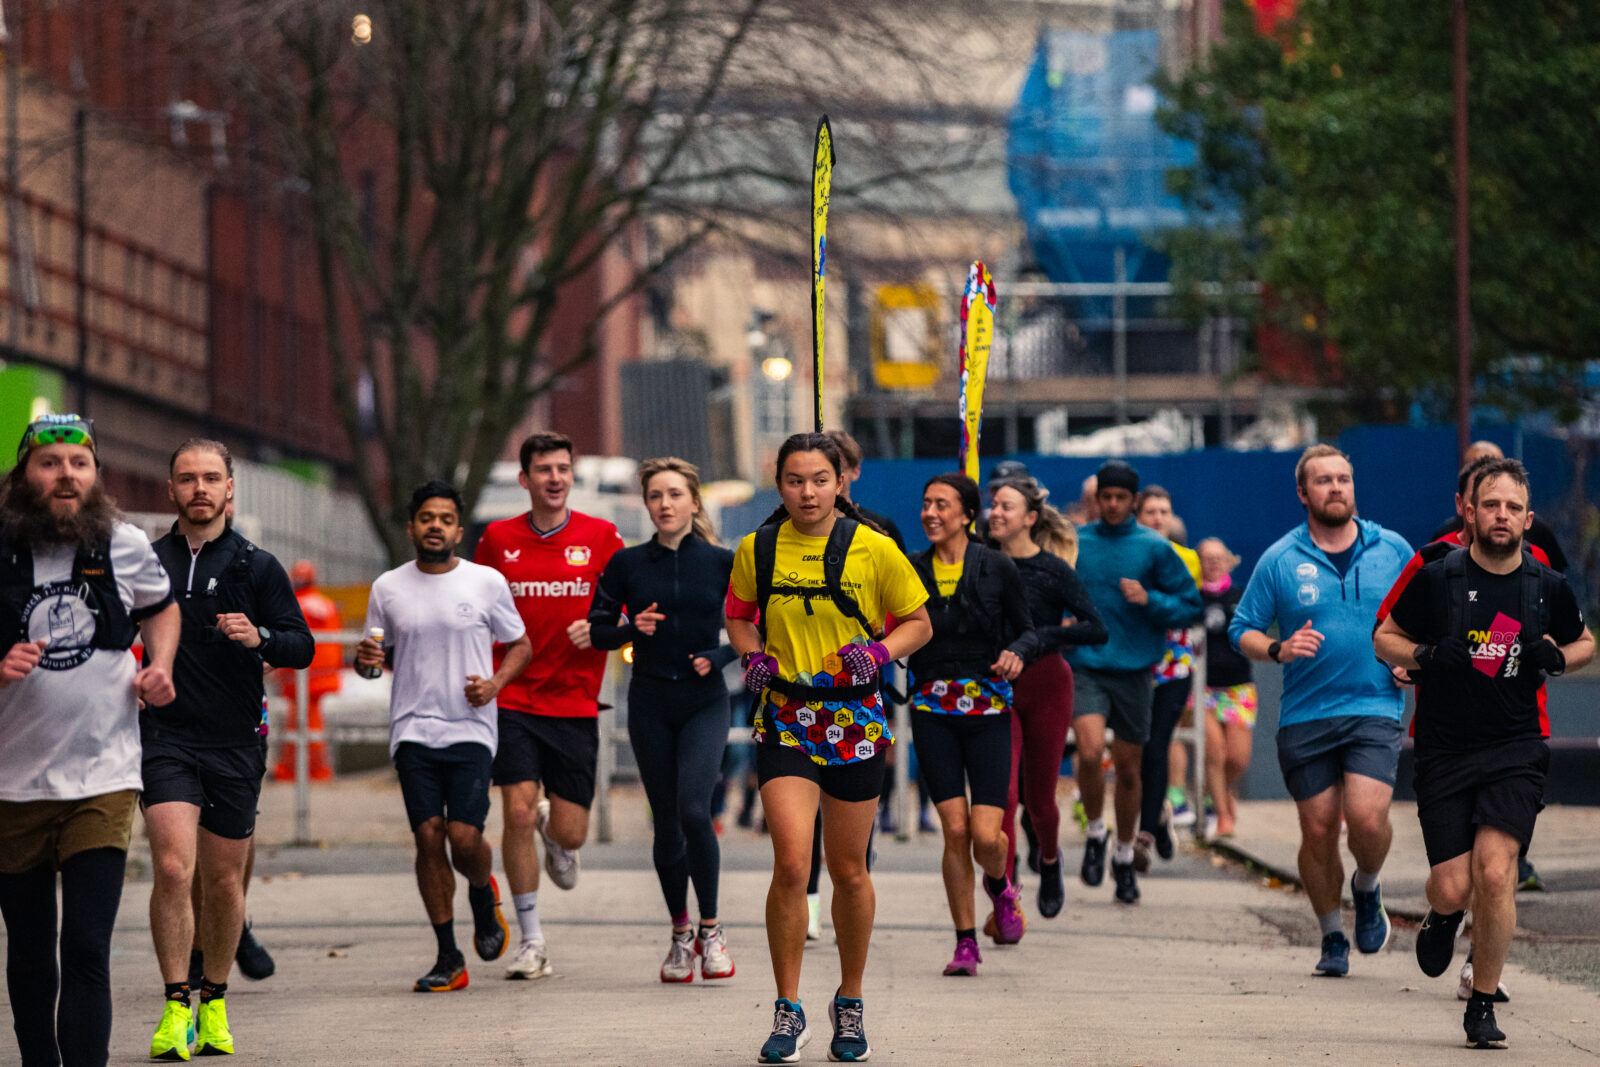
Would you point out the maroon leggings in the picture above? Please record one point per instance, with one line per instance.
(1042, 715)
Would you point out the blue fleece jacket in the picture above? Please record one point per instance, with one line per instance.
(1295, 582)
(1106, 555)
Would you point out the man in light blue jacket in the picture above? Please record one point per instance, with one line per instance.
(1339, 727)
(1141, 589)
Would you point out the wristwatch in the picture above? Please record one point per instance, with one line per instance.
(1273, 650)
(265, 635)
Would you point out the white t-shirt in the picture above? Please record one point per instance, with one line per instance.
(442, 628)
(70, 728)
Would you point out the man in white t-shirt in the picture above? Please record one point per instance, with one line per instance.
(442, 616)
(77, 585)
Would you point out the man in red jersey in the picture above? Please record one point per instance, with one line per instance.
(552, 557)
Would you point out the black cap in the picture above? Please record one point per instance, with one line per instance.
(1115, 474)
(1009, 468)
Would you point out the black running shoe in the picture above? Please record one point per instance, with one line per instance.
(254, 961)
(1052, 894)
(1480, 1026)
(1127, 882)
(1436, 942)
(1163, 836)
(197, 963)
(489, 930)
(449, 973)
(1093, 871)
(1033, 842)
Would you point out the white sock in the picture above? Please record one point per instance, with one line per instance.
(527, 905)
(1123, 853)
(1365, 882)
(1096, 829)
(1332, 923)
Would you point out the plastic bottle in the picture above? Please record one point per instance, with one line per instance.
(376, 633)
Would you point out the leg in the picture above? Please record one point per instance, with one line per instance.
(470, 853)
(519, 806)
(221, 865)
(1166, 707)
(988, 841)
(656, 750)
(1449, 885)
(1366, 812)
(1494, 905)
(569, 823)
(1126, 756)
(1321, 869)
(1238, 738)
(702, 741)
(1044, 734)
(1091, 733)
(957, 861)
(28, 902)
(435, 881)
(790, 804)
(174, 830)
(1216, 773)
(91, 891)
(1008, 815)
(846, 827)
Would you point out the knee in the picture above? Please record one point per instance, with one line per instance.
(1494, 876)
(1320, 837)
(791, 873)
(1235, 768)
(520, 816)
(173, 872)
(570, 838)
(465, 838)
(1368, 825)
(430, 836)
(849, 878)
(957, 836)
(1451, 892)
(694, 811)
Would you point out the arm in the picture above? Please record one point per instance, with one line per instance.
(1086, 627)
(912, 632)
(1175, 599)
(1578, 653)
(1029, 645)
(519, 654)
(743, 636)
(605, 610)
(292, 645)
(159, 632)
(1394, 646)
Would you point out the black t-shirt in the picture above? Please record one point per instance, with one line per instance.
(1496, 700)
(1224, 665)
(1055, 591)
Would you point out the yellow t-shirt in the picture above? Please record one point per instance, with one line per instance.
(805, 628)
(947, 575)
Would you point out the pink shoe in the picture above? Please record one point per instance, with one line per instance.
(967, 958)
(1007, 923)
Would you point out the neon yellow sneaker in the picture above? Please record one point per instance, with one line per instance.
(171, 1040)
(212, 1036)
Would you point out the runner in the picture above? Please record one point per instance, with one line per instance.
(839, 582)
(76, 583)
(442, 616)
(1339, 728)
(1035, 537)
(671, 590)
(1171, 694)
(204, 756)
(961, 698)
(549, 731)
(1142, 590)
(1230, 711)
(1481, 629)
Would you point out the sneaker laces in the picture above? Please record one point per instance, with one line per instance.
(847, 1021)
(787, 1021)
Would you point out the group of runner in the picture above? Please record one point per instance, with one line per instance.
(497, 664)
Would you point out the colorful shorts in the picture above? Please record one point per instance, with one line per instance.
(1232, 704)
(829, 731)
(1177, 662)
(963, 696)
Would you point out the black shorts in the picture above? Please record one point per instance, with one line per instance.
(1316, 755)
(1457, 792)
(555, 751)
(450, 783)
(957, 752)
(849, 782)
(224, 783)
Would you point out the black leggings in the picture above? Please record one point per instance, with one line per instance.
(1166, 708)
(91, 890)
(679, 731)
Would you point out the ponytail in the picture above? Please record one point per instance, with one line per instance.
(848, 507)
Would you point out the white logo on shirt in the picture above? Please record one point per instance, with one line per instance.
(58, 615)
(577, 555)
(1309, 594)
(1472, 595)
(513, 555)
(1306, 571)
(573, 587)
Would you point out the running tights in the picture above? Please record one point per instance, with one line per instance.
(1166, 708)
(679, 731)
(91, 890)
(1042, 715)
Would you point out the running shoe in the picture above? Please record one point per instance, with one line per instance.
(212, 1036)
(813, 917)
(849, 1044)
(1080, 814)
(1436, 942)
(252, 958)
(789, 1033)
(449, 973)
(1464, 989)
(1163, 834)
(531, 961)
(1033, 841)
(172, 1036)
(679, 964)
(715, 961)
(561, 864)
(1007, 923)
(1478, 1021)
(1093, 871)
(1528, 880)
(1335, 961)
(1182, 813)
(1127, 882)
(1372, 921)
(1052, 894)
(1144, 843)
(489, 930)
(965, 963)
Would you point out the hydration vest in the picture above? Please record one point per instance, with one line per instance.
(92, 582)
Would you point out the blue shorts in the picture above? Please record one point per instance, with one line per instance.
(1316, 755)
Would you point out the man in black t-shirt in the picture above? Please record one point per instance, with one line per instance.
(1479, 630)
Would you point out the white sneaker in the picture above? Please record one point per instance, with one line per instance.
(814, 923)
(1464, 990)
(714, 959)
(561, 865)
(679, 964)
(531, 961)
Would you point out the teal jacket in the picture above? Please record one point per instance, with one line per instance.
(1106, 555)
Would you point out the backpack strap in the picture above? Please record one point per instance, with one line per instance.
(833, 560)
(1537, 594)
(1454, 591)
(766, 561)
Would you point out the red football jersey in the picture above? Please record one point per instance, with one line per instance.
(553, 578)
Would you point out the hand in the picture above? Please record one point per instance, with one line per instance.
(1008, 666)
(1302, 644)
(154, 686)
(761, 670)
(369, 653)
(578, 633)
(23, 657)
(1449, 655)
(864, 662)
(645, 621)
(1544, 655)
(481, 690)
(701, 665)
(236, 627)
(1133, 592)
(1401, 676)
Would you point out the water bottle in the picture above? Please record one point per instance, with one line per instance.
(376, 671)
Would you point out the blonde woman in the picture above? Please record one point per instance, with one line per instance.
(1230, 694)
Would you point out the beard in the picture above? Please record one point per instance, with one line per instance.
(1325, 516)
(434, 555)
(27, 515)
(1492, 550)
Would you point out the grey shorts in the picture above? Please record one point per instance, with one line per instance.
(1318, 754)
(1121, 698)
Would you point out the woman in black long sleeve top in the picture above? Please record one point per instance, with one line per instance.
(1032, 533)
(671, 590)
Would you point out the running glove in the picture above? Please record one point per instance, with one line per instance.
(1543, 655)
(760, 672)
(1450, 654)
(864, 662)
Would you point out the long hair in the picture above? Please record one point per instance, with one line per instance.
(816, 442)
(664, 464)
(25, 514)
(1051, 531)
